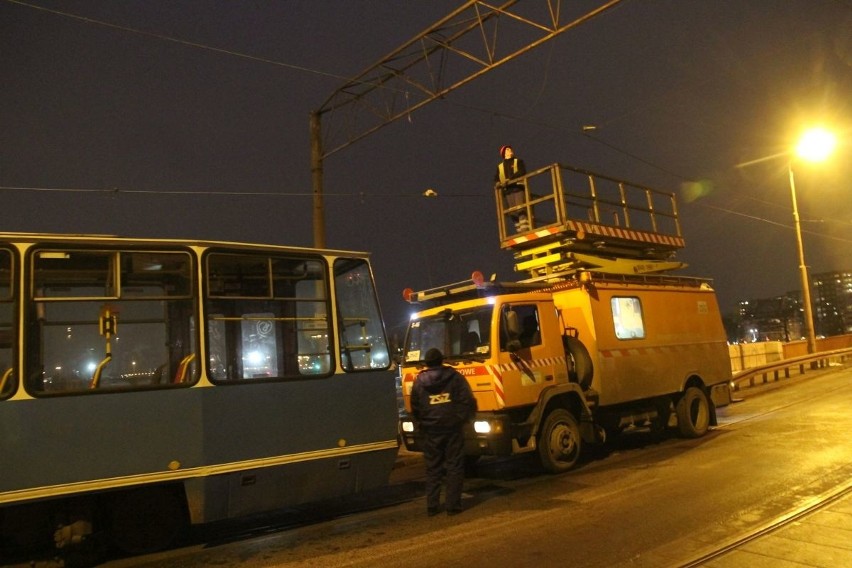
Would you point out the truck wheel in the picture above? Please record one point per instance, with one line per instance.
(559, 441)
(693, 413)
(582, 370)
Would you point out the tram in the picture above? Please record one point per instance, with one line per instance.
(147, 384)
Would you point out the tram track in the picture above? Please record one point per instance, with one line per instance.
(807, 509)
(813, 506)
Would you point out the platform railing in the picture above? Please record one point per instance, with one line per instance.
(576, 203)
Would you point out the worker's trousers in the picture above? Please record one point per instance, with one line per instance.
(444, 456)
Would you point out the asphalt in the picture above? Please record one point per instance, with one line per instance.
(812, 536)
(405, 458)
(808, 537)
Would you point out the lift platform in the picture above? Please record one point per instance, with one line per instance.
(580, 220)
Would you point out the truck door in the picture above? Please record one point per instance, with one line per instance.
(531, 355)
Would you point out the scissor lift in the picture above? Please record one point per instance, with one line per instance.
(580, 220)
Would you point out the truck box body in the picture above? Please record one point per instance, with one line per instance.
(675, 333)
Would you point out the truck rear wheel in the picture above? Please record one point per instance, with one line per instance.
(693, 413)
(559, 441)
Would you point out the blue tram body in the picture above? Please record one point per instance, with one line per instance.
(147, 383)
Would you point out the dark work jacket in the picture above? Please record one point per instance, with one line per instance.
(441, 400)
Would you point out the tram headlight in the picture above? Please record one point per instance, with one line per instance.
(407, 426)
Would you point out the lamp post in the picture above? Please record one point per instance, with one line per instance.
(803, 269)
(815, 145)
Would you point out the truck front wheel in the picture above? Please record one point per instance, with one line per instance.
(693, 413)
(559, 441)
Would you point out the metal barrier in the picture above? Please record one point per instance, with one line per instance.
(813, 361)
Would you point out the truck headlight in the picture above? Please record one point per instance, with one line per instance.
(488, 427)
(407, 426)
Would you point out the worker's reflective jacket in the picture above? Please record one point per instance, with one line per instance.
(517, 169)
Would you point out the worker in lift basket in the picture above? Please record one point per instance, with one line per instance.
(508, 170)
(442, 403)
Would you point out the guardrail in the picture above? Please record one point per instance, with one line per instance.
(812, 361)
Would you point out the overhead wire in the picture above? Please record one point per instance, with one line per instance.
(492, 113)
(117, 191)
(186, 42)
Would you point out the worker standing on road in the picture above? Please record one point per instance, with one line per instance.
(442, 403)
(508, 170)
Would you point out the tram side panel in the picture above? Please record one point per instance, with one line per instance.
(294, 443)
(72, 444)
(269, 445)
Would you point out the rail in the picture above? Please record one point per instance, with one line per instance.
(813, 361)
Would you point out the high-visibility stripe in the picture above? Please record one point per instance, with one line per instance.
(601, 230)
(495, 373)
(497, 380)
(626, 234)
(527, 237)
(502, 170)
(655, 350)
(533, 364)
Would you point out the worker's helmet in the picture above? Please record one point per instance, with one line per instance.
(503, 150)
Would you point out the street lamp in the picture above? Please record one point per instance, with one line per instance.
(815, 146)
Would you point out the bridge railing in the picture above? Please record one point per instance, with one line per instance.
(775, 371)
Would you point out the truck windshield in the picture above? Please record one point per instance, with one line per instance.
(459, 335)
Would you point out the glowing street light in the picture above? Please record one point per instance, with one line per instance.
(815, 145)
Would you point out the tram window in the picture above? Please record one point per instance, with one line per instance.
(259, 346)
(153, 274)
(627, 318)
(362, 336)
(238, 276)
(5, 275)
(8, 380)
(267, 317)
(70, 274)
(110, 320)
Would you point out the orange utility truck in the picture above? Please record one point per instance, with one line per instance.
(599, 337)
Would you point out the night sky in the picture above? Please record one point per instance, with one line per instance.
(211, 140)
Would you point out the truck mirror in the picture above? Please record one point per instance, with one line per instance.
(513, 326)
